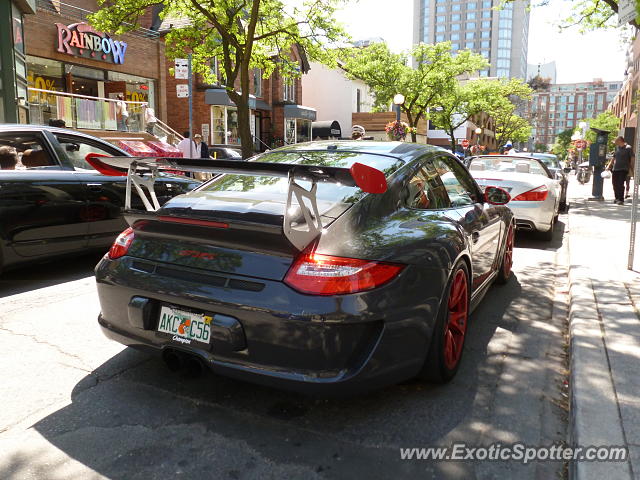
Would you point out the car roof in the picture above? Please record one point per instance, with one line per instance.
(402, 150)
(25, 127)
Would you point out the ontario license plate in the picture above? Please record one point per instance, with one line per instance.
(185, 327)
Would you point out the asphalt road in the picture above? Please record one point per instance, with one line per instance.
(76, 405)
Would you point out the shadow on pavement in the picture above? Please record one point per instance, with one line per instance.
(526, 239)
(40, 275)
(133, 418)
(605, 209)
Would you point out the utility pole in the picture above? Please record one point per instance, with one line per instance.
(190, 107)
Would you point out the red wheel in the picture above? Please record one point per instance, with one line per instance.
(456, 326)
(507, 258)
(449, 332)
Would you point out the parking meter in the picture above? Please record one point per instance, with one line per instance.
(597, 160)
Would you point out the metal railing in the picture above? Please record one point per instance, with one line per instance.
(82, 111)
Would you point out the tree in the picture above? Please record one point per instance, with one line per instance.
(539, 83)
(594, 14)
(495, 98)
(241, 34)
(505, 98)
(388, 73)
(606, 121)
(563, 143)
(540, 148)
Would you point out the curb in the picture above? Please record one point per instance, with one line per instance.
(594, 416)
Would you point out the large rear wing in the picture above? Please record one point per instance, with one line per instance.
(143, 172)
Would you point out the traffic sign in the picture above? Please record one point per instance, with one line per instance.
(181, 69)
(182, 90)
(465, 143)
(581, 144)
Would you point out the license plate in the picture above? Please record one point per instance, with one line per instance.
(185, 327)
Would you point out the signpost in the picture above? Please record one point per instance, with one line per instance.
(181, 69)
(182, 90)
(626, 11)
(581, 144)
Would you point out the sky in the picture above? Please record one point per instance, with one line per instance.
(579, 57)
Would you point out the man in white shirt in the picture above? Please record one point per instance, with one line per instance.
(186, 144)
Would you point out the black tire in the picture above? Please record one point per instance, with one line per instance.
(435, 368)
(504, 274)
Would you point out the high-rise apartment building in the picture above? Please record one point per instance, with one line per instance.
(500, 34)
(563, 106)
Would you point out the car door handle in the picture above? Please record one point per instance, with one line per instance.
(475, 236)
(94, 186)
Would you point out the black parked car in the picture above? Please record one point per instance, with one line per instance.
(222, 276)
(58, 204)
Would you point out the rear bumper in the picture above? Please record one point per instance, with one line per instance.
(533, 215)
(315, 345)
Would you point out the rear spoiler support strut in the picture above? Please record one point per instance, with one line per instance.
(312, 218)
(138, 181)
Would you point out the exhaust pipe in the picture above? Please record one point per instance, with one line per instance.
(193, 367)
(173, 360)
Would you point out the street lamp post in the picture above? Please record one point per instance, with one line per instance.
(478, 133)
(398, 100)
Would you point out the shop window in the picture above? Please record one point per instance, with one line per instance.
(303, 130)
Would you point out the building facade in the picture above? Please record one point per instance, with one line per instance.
(13, 71)
(74, 73)
(500, 35)
(334, 96)
(563, 106)
(625, 103)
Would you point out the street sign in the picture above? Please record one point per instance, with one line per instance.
(181, 69)
(465, 143)
(182, 90)
(581, 144)
(626, 11)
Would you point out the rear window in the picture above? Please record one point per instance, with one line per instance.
(499, 163)
(275, 188)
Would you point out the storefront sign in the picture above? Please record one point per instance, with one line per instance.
(80, 39)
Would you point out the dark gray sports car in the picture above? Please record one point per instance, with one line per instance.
(326, 267)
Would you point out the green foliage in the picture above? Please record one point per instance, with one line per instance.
(387, 73)
(496, 98)
(592, 14)
(606, 121)
(563, 142)
(540, 148)
(241, 34)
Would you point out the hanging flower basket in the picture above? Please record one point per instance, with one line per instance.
(397, 131)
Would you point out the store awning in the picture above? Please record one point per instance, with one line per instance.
(219, 96)
(262, 105)
(326, 129)
(298, 111)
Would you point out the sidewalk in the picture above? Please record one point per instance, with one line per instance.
(604, 333)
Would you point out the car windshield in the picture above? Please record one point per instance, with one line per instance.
(275, 188)
(549, 160)
(499, 163)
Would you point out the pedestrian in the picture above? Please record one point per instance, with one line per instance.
(150, 119)
(188, 147)
(203, 147)
(621, 166)
(357, 132)
(122, 114)
(8, 158)
(508, 149)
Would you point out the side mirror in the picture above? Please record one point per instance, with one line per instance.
(566, 169)
(72, 147)
(496, 196)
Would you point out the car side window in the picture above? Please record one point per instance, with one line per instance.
(77, 149)
(425, 191)
(458, 183)
(31, 149)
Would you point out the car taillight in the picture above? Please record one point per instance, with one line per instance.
(327, 275)
(536, 195)
(122, 244)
